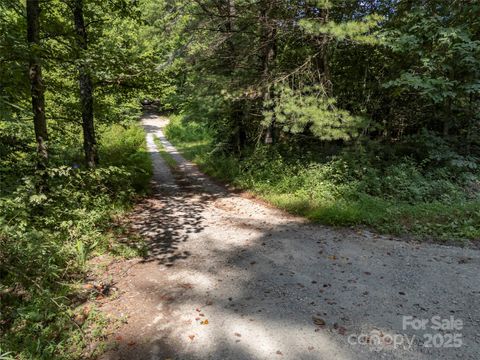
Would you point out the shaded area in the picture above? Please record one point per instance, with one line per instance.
(166, 219)
(260, 277)
(267, 290)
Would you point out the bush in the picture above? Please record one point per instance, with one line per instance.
(46, 239)
(388, 191)
(125, 147)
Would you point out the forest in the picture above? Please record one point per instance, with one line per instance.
(350, 113)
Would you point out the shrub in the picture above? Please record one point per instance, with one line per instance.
(46, 239)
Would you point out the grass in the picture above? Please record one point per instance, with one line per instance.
(47, 239)
(345, 190)
(165, 154)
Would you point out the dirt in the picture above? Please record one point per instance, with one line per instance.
(227, 277)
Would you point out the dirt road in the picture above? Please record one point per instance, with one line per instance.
(230, 278)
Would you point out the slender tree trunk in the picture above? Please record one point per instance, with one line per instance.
(86, 90)
(268, 42)
(237, 114)
(324, 40)
(36, 82)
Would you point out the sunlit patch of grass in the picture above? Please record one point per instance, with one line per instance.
(165, 154)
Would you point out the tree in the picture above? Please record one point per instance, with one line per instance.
(86, 89)
(36, 82)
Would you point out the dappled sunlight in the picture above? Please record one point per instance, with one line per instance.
(227, 277)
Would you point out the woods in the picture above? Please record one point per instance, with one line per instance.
(345, 112)
(350, 113)
(61, 89)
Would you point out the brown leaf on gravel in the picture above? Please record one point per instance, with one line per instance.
(237, 334)
(279, 352)
(131, 343)
(191, 337)
(317, 320)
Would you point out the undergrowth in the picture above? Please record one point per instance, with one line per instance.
(436, 197)
(47, 238)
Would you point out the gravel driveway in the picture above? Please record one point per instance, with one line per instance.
(228, 277)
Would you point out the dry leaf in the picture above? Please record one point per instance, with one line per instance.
(318, 320)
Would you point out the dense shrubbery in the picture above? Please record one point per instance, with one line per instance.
(46, 238)
(431, 196)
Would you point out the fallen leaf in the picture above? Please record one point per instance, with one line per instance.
(191, 337)
(318, 320)
(237, 334)
(131, 343)
(279, 352)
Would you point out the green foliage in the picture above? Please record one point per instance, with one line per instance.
(355, 30)
(124, 146)
(46, 239)
(356, 187)
(310, 108)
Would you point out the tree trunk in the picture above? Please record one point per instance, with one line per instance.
(36, 82)
(268, 42)
(228, 10)
(86, 90)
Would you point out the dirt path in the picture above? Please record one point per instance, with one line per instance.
(229, 278)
